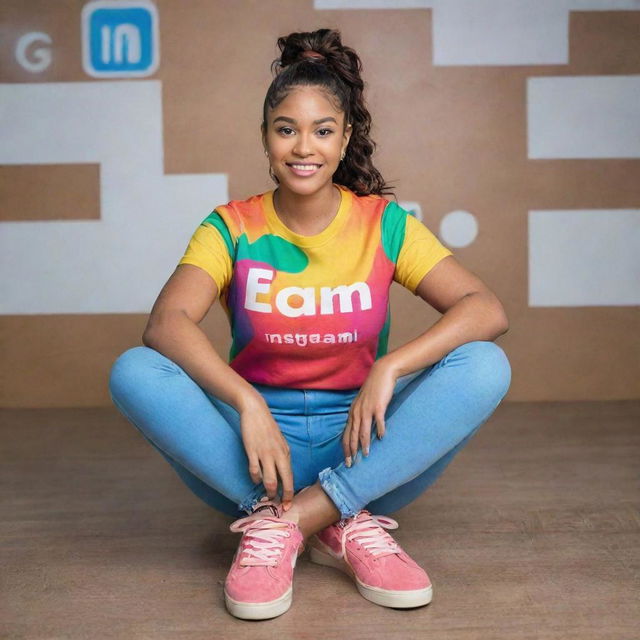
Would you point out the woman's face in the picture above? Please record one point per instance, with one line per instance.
(305, 138)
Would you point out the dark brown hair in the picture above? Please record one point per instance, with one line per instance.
(336, 69)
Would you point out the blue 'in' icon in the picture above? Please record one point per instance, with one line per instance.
(120, 39)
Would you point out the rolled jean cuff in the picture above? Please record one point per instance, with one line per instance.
(335, 489)
(249, 502)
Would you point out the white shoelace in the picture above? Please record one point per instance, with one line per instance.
(261, 543)
(367, 531)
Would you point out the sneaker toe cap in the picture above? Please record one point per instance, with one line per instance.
(260, 585)
(398, 575)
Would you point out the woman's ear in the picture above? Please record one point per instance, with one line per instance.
(348, 130)
(263, 135)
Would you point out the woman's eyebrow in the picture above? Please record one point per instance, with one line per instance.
(293, 121)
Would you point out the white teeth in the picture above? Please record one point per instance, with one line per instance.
(304, 167)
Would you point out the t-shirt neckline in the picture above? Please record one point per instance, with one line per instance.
(318, 239)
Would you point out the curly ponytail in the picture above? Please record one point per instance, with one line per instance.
(320, 59)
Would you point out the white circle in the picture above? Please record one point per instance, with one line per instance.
(459, 228)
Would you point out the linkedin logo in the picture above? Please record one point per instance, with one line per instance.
(120, 38)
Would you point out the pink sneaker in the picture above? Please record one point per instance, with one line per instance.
(259, 584)
(383, 572)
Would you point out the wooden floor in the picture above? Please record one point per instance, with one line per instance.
(532, 532)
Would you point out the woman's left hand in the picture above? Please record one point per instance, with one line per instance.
(370, 404)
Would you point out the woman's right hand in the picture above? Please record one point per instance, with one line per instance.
(267, 450)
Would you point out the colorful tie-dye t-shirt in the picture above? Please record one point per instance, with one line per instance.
(311, 312)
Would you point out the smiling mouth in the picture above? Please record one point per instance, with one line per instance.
(303, 170)
(303, 167)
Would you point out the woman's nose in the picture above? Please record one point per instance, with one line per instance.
(303, 145)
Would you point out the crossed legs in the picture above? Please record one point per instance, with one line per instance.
(429, 420)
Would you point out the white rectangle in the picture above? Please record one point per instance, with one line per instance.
(500, 33)
(584, 258)
(583, 117)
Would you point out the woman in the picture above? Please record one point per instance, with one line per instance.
(313, 427)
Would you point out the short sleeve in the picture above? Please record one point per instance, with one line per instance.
(211, 248)
(413, 247)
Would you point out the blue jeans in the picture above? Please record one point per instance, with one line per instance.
(432, 415)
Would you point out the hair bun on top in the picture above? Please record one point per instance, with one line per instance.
(323, 45)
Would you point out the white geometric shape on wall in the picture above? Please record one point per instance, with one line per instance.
(494, 32)
(584, 258)
(459, 228)
(119, 263)
(583, 117)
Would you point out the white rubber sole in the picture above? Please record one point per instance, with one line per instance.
(259, 610)
(383, 597)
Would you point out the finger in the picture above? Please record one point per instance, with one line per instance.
(345, 442)
(254, 469)
(365, 436)
(365, 433)
(381, 426)
(346, 447)
(286, 475)
(269, 479)
(354, 437)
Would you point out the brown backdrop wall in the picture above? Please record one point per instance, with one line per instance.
(449, 137)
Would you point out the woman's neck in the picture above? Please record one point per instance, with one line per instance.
(307, 215)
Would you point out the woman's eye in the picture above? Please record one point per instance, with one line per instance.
(325, 132)
(285, 130)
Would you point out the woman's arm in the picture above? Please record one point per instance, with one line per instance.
(173, 330)
(471, 311)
